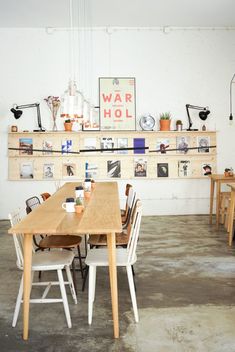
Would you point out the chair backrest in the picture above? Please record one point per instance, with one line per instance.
(45, 196)
(32, 203)
(135, 229)
(15, 217)
(130, 205)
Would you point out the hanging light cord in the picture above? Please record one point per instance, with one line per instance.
(231, 99)
(71, 40)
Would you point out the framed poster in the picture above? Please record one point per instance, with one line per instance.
(117, 104)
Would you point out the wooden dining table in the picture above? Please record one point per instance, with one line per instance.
(231, 214)
(217, 180)
(101, 216)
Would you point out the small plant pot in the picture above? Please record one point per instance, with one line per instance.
(165, 125)
(87, 195)
(226, 173)
(79, 208)
(92, 186)
(68, 126)
(179, 127)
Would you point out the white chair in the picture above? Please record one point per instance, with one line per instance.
(44, 261)
(124, 257)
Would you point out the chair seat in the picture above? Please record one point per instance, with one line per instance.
(99, 257)
(60, 241)
(101, 240)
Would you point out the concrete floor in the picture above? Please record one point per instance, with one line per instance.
(185, 291)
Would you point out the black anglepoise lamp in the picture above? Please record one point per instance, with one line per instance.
(17, 113)
(231, 98)
(202, 114)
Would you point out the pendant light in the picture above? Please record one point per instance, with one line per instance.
(72, 100)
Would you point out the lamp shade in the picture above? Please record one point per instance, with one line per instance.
(204, 114)
(72, 102)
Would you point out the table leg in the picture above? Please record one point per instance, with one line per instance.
(27, 283)
(218, 203)
(111, 242)
(211, 199)
(231, 218)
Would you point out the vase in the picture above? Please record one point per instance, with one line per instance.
(54, 127)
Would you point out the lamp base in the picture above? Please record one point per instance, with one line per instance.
(42, 130)
(192, 129)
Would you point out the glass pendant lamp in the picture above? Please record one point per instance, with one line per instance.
(72, 102)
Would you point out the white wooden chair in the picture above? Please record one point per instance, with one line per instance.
(43, 261)
(124, 257)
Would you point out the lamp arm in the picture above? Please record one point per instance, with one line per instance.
(33, 105)
(189, 118)
(195, 107)
(231, 99)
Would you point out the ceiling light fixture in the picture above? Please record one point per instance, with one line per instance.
(231, 99)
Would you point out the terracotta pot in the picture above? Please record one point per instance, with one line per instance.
(79, 208)
(87, 195)
(92, 186)
(165, 125)
(68, 126)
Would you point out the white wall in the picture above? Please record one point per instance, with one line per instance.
(171, 70)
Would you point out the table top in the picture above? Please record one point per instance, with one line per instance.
(221, 177)
(101, 214)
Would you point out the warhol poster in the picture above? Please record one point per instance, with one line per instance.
(117, 103)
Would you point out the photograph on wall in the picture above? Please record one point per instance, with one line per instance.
(114, 168)
(139, 145)
(89, 144)
(91, 170)
(66, 146)
(162, 170)
(27, 146)
(117, 103)
(26, 170)
(162, 145)
(48, 170)
(107, 143)
(122, 143)
(47, 147)
(140, 167)
(184, 168)
(203, 144)
(206, 169)
(69, 170)
(182, 144)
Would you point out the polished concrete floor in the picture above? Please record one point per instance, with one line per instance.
(185, 279)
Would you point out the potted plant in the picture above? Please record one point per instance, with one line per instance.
(179, 125)
(79, 207)
(68, 125)
(165, 121)
(87, 193)
(228, 172)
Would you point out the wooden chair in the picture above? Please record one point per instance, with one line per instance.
(58, 241)
(43, 261)
(124, 257)
(124, 211)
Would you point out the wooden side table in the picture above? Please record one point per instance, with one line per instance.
(217, 179)
(231, 213)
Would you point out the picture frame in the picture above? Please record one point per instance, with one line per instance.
(93, 124)
(117, 100)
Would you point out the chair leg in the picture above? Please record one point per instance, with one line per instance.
(64, 298)
(85, 277)
(80, 261)
(92, 274)
(71, 284)
(74, 276)
(132, 292)
(18, 303)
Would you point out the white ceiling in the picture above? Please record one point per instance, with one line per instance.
(123, 13)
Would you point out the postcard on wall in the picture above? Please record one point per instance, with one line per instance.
(114, 168)
(47, 147)
(122, 143)
(66, 146)
(203, 144)
(162, 170)
(26, 146)
(184, 168)
(26, 170)
(69, 170)
(162, 145)
(48, 170)
(91, 170)
(107, 143)
(139, 145)
(206, 169)
(140, 167)
(117, 103)
(182, 144)
(90, 144)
